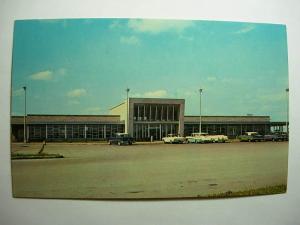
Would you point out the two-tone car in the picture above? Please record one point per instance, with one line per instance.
(251, 137)
(173, 139)
(206, 138)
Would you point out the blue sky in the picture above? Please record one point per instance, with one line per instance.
(83, 66)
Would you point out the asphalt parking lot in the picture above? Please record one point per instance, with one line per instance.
(91, 170)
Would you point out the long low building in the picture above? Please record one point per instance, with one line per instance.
(142, 118)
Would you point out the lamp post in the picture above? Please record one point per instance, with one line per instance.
(287, 109)
(200, 122)
(127, 91)
(24, 114)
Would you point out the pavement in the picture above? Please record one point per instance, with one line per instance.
(101, 171)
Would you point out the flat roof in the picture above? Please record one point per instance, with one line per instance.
(115, 119)
(58, 119)
(227, 119)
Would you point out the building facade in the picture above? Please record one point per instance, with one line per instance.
(151, 117)
(143, 118)
(65, 127)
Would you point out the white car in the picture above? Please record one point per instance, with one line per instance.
(206, 138)
(171, 138)
(197, 138)
(218, 138)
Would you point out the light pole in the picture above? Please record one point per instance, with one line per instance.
(24, 114)
(200, 122)
(287, 109)
(127, 91)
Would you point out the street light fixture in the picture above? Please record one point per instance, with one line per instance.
(127, 91)
(25, 115)
(200, 122)
(287, 109)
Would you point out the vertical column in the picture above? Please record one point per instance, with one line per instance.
(155, 113)
(181, 119)
(104, 131)
(144, 112)
(159, 131)
(173, 113)
(166, 129)
(65, 131)
(85, 128)
(149, 112)
(27, 133)
(167, 112)
(138, 115)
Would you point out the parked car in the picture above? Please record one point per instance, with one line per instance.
(206, 138)
(220, 138)
(251, 137)
(197, 138)
(277, 136)
(121, 139)
(172, 138)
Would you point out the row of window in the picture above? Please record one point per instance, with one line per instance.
(140, 131)
(74, 131)
(230, 130)
(156, 112)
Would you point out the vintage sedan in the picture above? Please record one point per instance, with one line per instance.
(251, 137)
(121, 139)
(173, 139)
(206, 138)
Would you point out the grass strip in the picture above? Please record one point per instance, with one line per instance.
(35, 156)
(277, 189)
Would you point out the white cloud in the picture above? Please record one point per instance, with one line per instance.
(246, 29)
(136, 95)
(157, 26)
(92, 110)
(47, 75)
(155, 94)
(130, 40)
(76, 93)
(42, 75)
(18, 92)
(150, 94)
(211, 78)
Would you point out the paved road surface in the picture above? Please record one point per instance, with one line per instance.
(149, 171)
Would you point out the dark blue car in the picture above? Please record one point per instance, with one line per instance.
(121, 139)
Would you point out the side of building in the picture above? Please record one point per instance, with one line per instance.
(144, 119)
